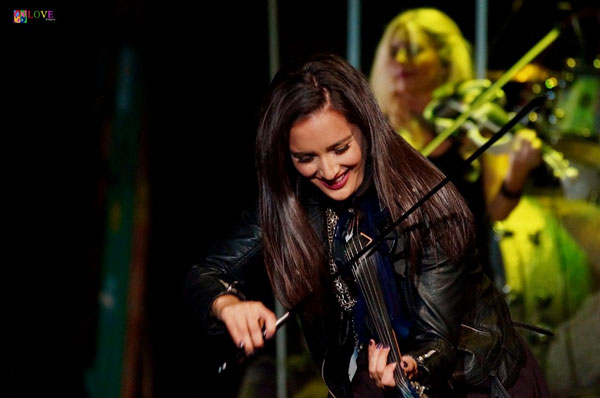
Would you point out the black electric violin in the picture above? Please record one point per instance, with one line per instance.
(378, 312)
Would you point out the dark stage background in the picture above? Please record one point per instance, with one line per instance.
(203, 68)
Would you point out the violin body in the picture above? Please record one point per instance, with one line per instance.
(356, 228)
(378, 312)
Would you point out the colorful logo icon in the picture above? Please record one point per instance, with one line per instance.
(20, 16)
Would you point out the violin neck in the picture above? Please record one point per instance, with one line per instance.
(365, 273)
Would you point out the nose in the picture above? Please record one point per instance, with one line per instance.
(401, 56)
(328, 168)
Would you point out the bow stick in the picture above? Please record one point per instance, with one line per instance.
(531, 105)
(491, 91)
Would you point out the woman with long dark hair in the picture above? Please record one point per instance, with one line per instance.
(332, 172)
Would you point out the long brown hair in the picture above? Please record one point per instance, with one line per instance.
(294, 254)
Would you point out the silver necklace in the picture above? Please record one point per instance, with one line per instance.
(343, 295)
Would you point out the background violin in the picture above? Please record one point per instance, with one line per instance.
(452, 100)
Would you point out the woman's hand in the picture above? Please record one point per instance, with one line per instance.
(246, 321)
(381, 372)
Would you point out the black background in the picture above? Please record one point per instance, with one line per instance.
(204, 69)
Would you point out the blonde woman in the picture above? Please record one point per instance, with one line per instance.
(423, 50)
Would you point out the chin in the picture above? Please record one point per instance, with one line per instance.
(403, 87)
(338, 196)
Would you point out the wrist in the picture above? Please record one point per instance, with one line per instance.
(221, 302)
(228, 296)
(510, 192)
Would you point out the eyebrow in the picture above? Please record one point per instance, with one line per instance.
(329, 148)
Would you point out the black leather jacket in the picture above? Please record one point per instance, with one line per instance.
(462, 328)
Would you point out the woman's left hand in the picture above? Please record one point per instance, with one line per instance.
(381, 372)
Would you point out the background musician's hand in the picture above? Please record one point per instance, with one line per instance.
(245, 321)
(526, 154)
(505, 175)
(381, 372)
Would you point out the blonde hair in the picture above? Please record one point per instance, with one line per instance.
(454, 50)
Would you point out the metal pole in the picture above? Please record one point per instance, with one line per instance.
(281, 335)
(273, 38)
(481, 29)
(106, 378)
(353, 33)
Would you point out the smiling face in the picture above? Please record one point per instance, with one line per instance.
(415, 63)
(329, 152)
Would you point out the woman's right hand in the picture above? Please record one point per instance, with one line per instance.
(245, 321)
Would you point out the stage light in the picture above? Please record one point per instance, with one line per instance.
(533, 117)
(551, 82)
(559, 112)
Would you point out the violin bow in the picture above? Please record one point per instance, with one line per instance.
(530, 106)
(491, 91)
(240, 352)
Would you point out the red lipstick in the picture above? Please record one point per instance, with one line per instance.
(337, 185)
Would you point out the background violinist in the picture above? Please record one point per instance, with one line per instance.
(420, 51)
